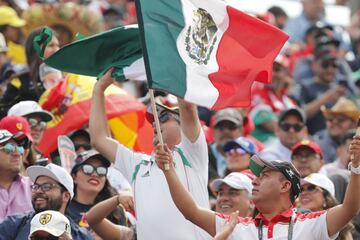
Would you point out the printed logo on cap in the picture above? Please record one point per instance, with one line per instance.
(290, 172)
(45, 218)
(19, 126)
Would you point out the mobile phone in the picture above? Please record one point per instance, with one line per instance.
(343, 82)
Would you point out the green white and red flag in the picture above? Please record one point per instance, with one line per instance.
(206, 52)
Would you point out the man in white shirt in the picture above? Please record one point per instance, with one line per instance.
(157, 216)
(275, 189)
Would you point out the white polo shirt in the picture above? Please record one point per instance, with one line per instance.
(309, 226)
(157, 216)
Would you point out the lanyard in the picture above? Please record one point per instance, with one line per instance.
(290, 229)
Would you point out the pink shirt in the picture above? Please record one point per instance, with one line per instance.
(17, 198)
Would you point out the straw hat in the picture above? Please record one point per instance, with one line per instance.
(75, 18)
(342, 107)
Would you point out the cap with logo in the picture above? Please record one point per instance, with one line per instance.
(28, 108)
(8, 16)
(258, 164)
(320, 180)
(15, 124)
(235, 180)
(55, 172)
(52, 222)
(90, 154)
(228, 114)
(307, 144)
(19, 137)
(292, 111)
(246, 144)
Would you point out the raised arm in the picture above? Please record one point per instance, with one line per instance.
(201, 217)
(99, 130)
(189, 120)
(340, 215)
(96, 217)
(228, 228)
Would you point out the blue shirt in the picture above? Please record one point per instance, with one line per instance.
(17, 227)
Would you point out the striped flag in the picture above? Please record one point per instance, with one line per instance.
(206, 51)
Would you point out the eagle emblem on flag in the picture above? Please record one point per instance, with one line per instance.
(200, 37)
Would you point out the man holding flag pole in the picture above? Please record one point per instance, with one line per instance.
(157, 216)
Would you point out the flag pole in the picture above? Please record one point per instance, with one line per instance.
(157, 122)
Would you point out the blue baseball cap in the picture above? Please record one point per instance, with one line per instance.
(241, 142)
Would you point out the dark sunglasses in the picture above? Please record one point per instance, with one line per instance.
(226, 125)
(310, 188)
(165, 116)
(286, 126)
(89, 169)
(327, 64)
(11, 148)
(85, 146)
(49, 237)
(338, 119)
(35, 123)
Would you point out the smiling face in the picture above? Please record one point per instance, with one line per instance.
(237, 160)
(53, 199)
(311, 197)
(229, 200)
(306, 161)
(92, 183)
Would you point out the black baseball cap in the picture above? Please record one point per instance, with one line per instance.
(293, 111)
(258, 164)
(87, 155)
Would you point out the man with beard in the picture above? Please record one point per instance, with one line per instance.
(53, 189)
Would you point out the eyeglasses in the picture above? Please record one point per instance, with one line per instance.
(49, 237)
(35, 123)
(310, 188)
(45, 187)
(165, 116)
(89, 169)
(327, 64)
(84, 146)
(286, 126)
(339, 119)
(10, 148)
(236, 150)
(226, 125)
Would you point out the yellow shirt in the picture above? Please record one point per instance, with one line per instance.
(16, 53)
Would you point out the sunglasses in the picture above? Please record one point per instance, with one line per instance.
(45, 187)
(226, 125)
(35, 123)
(286, 126)
(310, 188)
(338, 119)
(327, 64)
(11, 148)
(85, 146)
(89, 169)
(165, 116)
(236, 150)
(49, 237)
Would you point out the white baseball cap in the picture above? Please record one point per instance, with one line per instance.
(235, 180)
(25, 108)
(52, 222)
(55, 172)
(320, 180)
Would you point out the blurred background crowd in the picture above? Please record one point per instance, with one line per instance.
(307, 115)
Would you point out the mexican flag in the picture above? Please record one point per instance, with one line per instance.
(206, 51)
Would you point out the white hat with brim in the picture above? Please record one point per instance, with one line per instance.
(235, 180)
(320, 180)
(30, 108)
(55, 172)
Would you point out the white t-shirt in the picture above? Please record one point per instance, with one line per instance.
(309, 226)
(157, 216)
